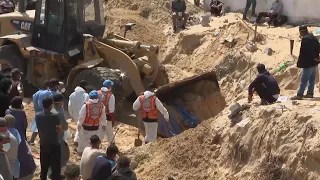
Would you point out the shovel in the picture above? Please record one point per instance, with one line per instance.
(112, 141)
(138, 142)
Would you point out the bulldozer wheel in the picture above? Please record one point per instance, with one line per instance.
(10, 56)
(95, 78)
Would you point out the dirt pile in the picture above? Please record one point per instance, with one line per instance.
(150, 18)
(269, 143)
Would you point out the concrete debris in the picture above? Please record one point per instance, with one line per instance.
(236, 109)
(229, 41)
(268, 51)
(251, 46)
(205, 20)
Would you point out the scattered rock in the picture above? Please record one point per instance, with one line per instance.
(234, 110)
(268, 51)
(251, 46)
(226, 21)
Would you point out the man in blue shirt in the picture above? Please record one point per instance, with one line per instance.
(37, 100)
(105, 165)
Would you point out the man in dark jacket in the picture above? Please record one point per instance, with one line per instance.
(265, 85)
(123, 171)
(179, 6)
(308, 61)
(5, 87)
(105, 165)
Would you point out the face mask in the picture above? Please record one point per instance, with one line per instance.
(6, 147)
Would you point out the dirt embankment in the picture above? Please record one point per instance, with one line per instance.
(270, 142)
(150, 18)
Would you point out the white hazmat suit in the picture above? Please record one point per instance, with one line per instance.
(85, 135)
(76, 100)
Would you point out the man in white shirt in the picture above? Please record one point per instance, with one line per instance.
(76, 100)
(92, 121)
(150, 106)
(89, 157)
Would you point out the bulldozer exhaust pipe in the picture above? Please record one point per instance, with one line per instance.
(22, 6)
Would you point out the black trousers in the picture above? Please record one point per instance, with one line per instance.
(273, 18)
(50, 156)
(264, 94)
(216, 11)
(248, 5)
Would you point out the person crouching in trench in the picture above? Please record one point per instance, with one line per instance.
(265, 85)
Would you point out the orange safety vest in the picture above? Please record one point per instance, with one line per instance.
(106, 99)
(148, 107)
(93, 114)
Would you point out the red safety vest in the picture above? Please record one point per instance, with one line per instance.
(93, 114)
(148, 107)
(106, 99)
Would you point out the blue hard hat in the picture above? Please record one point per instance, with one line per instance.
(93, 94)
(107, 83)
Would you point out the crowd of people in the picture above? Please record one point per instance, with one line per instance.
(92, 112)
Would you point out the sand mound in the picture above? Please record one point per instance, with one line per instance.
(267, 144)
(150, 19)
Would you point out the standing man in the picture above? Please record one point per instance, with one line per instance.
(58, 105)
(49, 127)
(92, 121)
(89, 157)
(37, 100)
(179, 6)
(265, 85)
(105, 165)
(109, 101)
(273, 14)
(308, 61)
(76, 100)
(248, 5)
(150, 106)
(17, 87)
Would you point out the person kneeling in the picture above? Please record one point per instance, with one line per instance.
(265, 85)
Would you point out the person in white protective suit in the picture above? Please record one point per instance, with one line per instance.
(92, 121)
(76, 100)
(150, 106)
(108, 99)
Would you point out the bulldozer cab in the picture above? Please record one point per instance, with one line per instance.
(60, 24)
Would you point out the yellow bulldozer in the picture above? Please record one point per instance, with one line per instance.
(65, 39)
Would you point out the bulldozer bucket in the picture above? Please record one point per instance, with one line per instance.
(189, 102)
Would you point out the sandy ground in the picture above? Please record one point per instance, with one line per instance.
(268, 143)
